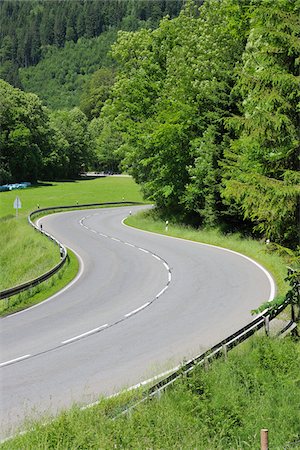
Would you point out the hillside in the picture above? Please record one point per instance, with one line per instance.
(28, 28)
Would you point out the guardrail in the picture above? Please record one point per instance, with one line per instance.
(63, 251)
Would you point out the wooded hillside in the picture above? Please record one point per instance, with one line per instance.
(28, 28)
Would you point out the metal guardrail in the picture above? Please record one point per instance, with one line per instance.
(63, 251)
(216, 351)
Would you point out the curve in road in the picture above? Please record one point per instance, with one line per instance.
(107, 331)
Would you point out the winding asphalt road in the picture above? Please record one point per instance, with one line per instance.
(142, 303)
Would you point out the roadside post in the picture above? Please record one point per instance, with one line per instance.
(17, 205)
(264, 441)
(167, 225)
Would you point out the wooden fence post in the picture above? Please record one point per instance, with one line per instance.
(264, 442)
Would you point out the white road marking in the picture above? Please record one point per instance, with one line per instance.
(115, 239)
(162, 291)
(129, 245)
(6, 363)
(268, 275)
(137, 310)
(143, 250)
(156, 257)
(75, 338)
(93, 231)
(166, 266)
(169, 276)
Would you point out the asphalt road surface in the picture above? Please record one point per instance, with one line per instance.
(141, 304)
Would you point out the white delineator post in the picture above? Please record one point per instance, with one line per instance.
(17, 205)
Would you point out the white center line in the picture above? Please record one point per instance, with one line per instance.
(115, 239)
(166, 266)
(137, 310)
(156, 257)
(75, 338)
(143, 250)
(129, 245)
(6, 363)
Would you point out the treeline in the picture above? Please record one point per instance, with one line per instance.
(36, 144)
(28, 28)
(204, 113)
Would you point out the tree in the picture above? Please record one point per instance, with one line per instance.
(24, 134)
(261, 176)
(97, 91)
(73, 143)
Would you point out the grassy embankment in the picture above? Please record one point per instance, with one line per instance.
(258, 386)
(25, 254)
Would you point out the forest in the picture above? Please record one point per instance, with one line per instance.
(200, 107)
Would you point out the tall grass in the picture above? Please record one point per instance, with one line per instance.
(225, 407)
(23, 253)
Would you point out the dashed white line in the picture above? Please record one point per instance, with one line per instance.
(11, 361)
(75, 338)
(115, 239)
(156, 257)
(169, 276)
(137, 310)
(166, 266)
(129, 245)
(143, 250)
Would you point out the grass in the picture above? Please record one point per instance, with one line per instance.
(26, 254)
(108, 189)
(42, 291)
(258, 386)
(258, 251)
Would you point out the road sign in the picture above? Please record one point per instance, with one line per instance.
(17, 203)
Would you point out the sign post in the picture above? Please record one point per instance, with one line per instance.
(17, 205)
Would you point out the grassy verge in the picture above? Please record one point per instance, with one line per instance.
(43, 290)
(274, 263)
(258, 386)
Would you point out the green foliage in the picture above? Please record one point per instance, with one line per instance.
(261, 166)
(60, 77)
(205, 114)
(172, 84)
(97, 91)
(72, 152)
(24, 134)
